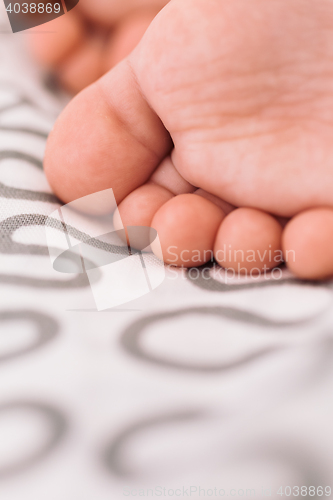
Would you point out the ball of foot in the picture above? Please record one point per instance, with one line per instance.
(249, 241)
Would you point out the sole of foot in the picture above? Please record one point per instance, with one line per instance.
(214, 144)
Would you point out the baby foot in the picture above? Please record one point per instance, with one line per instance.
(92, 38)
(221, 105)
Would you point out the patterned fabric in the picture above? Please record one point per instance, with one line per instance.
(208, 382)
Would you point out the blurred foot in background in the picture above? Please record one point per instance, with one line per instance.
(92, 38)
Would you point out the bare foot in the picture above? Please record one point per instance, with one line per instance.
(91, 39)
(221, 105)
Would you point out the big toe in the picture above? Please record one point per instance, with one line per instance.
(107, 137)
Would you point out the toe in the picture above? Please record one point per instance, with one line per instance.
(126, 37)
(109, 12)
(107, 137)
(187, 226)
(84, 66)
(307, 244)
(249, 241)
(140, 206)
(226, 207)
(64, 34)
(167, 175)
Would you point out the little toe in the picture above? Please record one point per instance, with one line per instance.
(249, 241)
(307, 244)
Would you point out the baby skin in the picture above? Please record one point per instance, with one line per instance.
(88, 41)
(217, 131)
